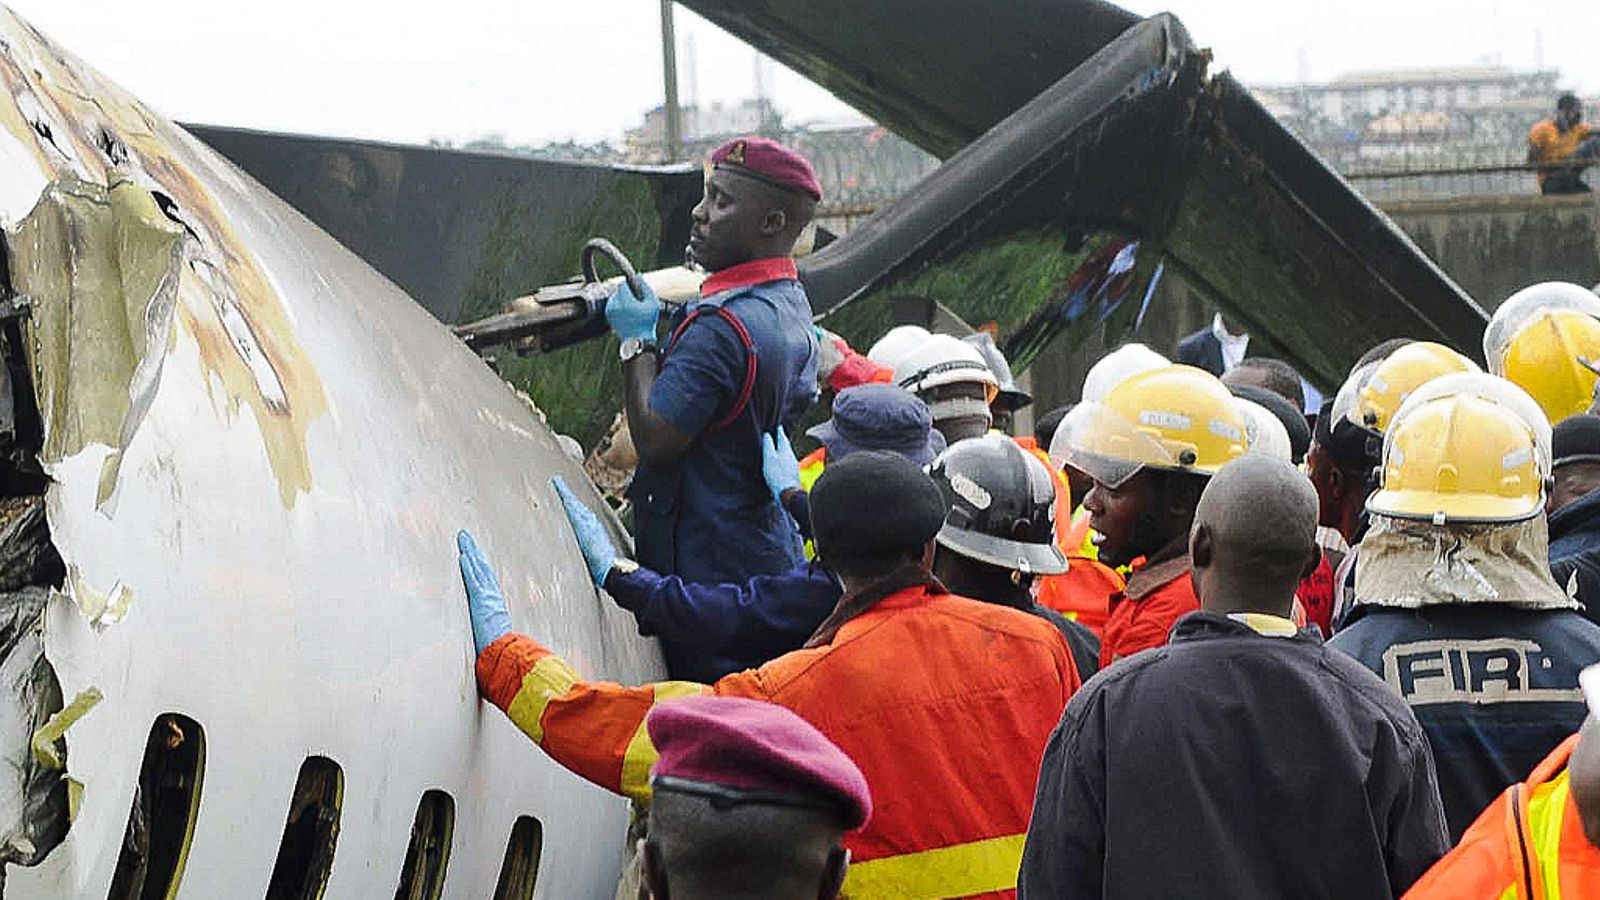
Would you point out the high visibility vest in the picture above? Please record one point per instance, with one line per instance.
(810, 470)
(1528, 845)
(918, 690)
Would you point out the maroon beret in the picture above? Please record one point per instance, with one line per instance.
(753, 751)
(769, 161)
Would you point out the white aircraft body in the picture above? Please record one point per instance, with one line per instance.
(259, 454)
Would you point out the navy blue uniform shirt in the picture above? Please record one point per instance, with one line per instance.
(710, 517)
(1495, 687)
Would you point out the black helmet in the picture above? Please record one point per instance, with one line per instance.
(1010, 398)
(1002, 505)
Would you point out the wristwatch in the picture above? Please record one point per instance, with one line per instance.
(624, 566)
(634, 346)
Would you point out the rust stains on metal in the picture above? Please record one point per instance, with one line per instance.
(126, 212)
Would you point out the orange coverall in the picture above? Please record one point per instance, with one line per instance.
(945, 703)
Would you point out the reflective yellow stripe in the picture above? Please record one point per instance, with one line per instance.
(549, 678)
(980, 867)
(810, 473)
(1510, 893)
(1546, 808)
(641, 754)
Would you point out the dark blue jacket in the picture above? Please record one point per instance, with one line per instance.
(1495, 687)
(1231, 764)
(1575, 551)
(731, 626)
(734, 627)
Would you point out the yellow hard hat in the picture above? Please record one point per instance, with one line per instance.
(1387, 383)
(1177, 418)
(1460, 458)
(1541, 338)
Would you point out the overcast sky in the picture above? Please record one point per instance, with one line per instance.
(542, 70)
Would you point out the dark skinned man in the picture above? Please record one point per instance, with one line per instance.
(952, 378)
(1561, 146)
(1574, 510)
(944, 703)
(1349, 441)
(1149, 448)
(1244, 758)
(999, 535)
(750, 800)
(1456, 609)
(740, 362)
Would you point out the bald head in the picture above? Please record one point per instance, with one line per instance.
(1254, 536)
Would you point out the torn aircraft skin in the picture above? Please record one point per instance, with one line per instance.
(233, 611)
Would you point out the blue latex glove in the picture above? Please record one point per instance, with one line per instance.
(633, 317)
(778, 464)
(486, 603)
(593, 540)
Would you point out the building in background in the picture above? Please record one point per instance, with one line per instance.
(1411, 133)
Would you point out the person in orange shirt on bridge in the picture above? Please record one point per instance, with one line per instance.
(1561, 146)
(945, 703)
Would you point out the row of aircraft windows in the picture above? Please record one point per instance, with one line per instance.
(167, 797)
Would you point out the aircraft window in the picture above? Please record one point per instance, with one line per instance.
(306, 855)
(165, 801)
(422, 878)
(521, 868)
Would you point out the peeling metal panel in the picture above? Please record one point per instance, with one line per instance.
(293, 443)
(100, 266)
(33, 797)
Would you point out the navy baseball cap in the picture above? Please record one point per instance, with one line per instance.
(880, 417)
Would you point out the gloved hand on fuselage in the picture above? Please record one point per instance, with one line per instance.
(486, 603)
(598, 551)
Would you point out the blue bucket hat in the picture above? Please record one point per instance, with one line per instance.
(880, 417)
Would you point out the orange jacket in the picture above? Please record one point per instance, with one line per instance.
(1552, 145)
(945, 703)
(1156, 596)
(1083, 592)
(1528, 845)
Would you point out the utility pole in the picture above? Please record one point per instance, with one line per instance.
(669, 74)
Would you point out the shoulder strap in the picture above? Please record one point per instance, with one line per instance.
(748, 386)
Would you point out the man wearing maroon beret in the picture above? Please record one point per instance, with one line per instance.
(750, 800)
(737, 363)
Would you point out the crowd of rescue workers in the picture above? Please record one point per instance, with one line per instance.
(1201, 633)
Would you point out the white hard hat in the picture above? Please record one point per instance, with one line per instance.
(899, 341)
(940, 360)
(1264, 431)
(1116, 367)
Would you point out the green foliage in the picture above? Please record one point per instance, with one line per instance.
(579, 388)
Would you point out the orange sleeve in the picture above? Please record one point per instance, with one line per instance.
(595, 729)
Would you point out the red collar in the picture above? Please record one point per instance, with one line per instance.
(756, 271)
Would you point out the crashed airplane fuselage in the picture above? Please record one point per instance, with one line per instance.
(234, 636)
